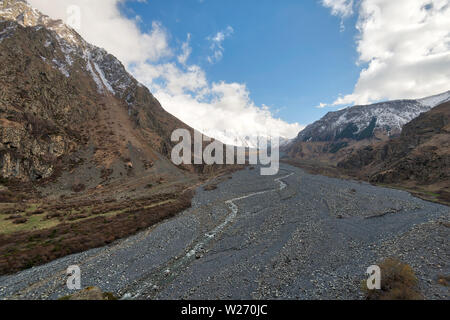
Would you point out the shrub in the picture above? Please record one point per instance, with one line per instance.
(8, 197)
(35, 212)
(444, 280)
(13, 217)
(78, 187)
(398, 282)
(20, 221)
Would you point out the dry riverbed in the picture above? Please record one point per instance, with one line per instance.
(290, 236)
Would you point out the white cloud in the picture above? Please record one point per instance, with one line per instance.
(103, 25)
(321, 105)
(216, 109)
(342, 8)
(216, 44)
(186, 50)
(405, 45)
(182, 89)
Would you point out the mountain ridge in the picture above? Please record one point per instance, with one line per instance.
(419, 158)
(339, 133)
(394, 114)
(58, 49)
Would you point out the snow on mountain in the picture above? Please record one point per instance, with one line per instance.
(433, 101)
(108, 72)
(235, 139)
(360, 122)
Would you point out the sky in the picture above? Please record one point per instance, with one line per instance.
(266, 67)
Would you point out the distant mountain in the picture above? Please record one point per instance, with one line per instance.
(339, 133)
(360, 122)
(251, 142)
(419, 157)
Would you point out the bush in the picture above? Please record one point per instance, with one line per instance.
(398, 282)
(20, 221)
(444, 280)
(8, 197)
(78, 187)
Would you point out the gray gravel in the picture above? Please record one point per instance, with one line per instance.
(292, 236)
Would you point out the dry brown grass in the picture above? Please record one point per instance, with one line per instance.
(78, 187)
(444, 280)
(109, 222)
(398, 282)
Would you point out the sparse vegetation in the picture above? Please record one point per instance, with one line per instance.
(90, 293)
(78, 187)
(64, 229)
(444, 280)
(398, 282)
(20, 220)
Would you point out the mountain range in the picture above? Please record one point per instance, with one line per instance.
(339, 133)
(85, 148)
(418, 159)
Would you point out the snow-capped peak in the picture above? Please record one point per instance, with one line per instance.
(107, 71)
(355, 122)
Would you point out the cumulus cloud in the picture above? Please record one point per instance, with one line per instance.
(404, 46)
(182, 89)
(103, 25)
(217, 109)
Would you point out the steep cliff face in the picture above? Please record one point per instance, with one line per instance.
(84, 148)
(60, 95)
(420, 155)
(41, 110)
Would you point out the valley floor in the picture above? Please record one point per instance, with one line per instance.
(291, 236)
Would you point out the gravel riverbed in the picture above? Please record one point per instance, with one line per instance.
(290, 236)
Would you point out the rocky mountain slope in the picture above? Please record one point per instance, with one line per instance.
(84, 148)
(61, 95)
(419, 157)
(339, 133)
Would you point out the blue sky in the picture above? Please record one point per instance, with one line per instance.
(291, 54)
(257, 67)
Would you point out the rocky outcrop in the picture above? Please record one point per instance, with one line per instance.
(23, 156)
(41, 110)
